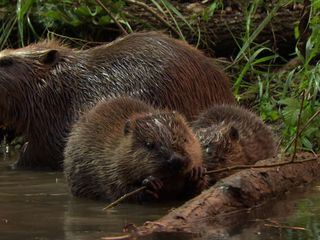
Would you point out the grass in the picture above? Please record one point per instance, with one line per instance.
(275, 95)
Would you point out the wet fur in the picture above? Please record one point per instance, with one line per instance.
(106, 155)
(45, 87)
(232, 135)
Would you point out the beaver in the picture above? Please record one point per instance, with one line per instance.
(124, 143)
(232, 135)
(46, 86)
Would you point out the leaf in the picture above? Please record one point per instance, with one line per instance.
(291, 102)
(104, 20)
(261, 26)
(306, 143)
(209, 11)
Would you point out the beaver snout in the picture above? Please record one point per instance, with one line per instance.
(177, 162)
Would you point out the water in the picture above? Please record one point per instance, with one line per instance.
(37, 205)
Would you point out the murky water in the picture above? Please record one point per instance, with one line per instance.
(37, 205)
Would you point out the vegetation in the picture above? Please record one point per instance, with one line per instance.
(284, 96)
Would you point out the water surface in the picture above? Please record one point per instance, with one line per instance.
(38, 205)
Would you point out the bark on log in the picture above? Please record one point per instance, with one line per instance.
(220, 33)
(238, 192)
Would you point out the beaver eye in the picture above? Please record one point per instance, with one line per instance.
(208, 148)
(149, 145)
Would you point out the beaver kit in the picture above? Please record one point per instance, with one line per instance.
(123, 144)
(44, 87)
(232, 135)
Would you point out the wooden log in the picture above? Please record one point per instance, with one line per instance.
(238, 192)
(223, 31)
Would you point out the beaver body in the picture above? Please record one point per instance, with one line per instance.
(122, 143)
(232, 135)
(45, 87)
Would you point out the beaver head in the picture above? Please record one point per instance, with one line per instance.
(163, 143)
(25, 75)
(220, 144)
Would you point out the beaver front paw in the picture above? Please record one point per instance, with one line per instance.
(197, 181)
(153, 186)
(197, 173)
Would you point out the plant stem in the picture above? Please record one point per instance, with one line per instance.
(302, 129)
(153, 12)
(298, 126)
(113, 18)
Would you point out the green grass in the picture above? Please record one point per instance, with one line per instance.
(275, 95)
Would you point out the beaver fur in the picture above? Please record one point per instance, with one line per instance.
(123, 143)
(232, 135)
(44, 87)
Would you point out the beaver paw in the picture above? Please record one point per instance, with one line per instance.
(153, 186)
(197, 181)
(197, 173)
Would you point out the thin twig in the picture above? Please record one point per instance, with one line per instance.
(125, 196)
(123, 237)
(238, 167)
(302, 129)
(298, 127)
(113, 18)
(286, 227)
(153, 12)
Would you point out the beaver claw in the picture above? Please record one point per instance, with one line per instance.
(197, 173)
(153, 186)
(197, 181)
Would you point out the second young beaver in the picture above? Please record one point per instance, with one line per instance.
(232, 135)
(45, 87)
(122, 144)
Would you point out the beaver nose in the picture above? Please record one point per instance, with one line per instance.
(177, 162)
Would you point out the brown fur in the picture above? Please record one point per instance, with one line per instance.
(232, 135)
(44, 87)
(108, 152)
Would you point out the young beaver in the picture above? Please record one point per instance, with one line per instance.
(44, 87)
(231, 135)
(122, 144)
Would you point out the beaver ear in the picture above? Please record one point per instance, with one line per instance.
(234, 134)
(126, 128)
(50, 57)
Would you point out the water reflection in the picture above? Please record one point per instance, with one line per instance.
(37, 205)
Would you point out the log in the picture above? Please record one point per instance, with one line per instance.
(237, 193)
(220, 34)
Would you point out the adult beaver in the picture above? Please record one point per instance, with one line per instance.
(44, 87)
(232, 135)
(124, 143)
